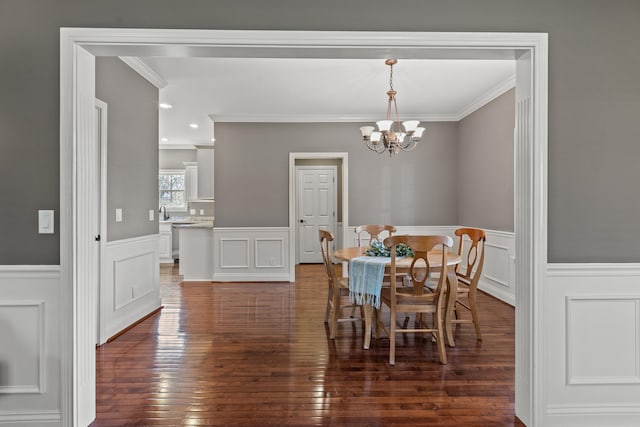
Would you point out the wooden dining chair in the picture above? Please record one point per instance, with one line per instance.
(338, 288)
(469, 272)
(373, 232)
(418, 298)
(378, 232)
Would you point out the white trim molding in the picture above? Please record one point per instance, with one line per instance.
(487, 97)
(140, 67)
(30, 418)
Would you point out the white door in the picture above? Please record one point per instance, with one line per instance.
(316, 200)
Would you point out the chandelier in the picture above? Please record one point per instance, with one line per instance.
(389, 137)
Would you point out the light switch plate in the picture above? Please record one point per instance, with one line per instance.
(192, 211)
(201, 211)
(118, 215)
(151, 214)
(45, 222)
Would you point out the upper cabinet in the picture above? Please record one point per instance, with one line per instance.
(191, 180)
(205, 171)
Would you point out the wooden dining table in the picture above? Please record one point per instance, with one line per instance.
(435, 261)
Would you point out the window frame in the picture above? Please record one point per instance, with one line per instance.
(181, 172)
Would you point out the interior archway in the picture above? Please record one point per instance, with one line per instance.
(79, 48)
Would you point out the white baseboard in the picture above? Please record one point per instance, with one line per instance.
(30, 418)
(578, 415)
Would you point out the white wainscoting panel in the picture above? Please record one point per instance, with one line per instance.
(498, 274)
(269, 252)
(30, 345)
(234, 253)
(593, 333)
(130, 288)
(589, 317)
(24, 353)
(251, 254)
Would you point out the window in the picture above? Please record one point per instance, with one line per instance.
(172, 189)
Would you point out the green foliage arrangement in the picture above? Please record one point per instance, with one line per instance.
(379, 249)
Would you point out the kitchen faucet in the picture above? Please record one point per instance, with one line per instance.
(163, 211)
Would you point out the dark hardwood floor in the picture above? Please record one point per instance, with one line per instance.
(258, 354)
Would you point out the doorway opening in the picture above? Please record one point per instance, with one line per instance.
(77, 57)
(341, 163)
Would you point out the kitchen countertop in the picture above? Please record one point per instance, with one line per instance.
(187, 220)
(202, 224)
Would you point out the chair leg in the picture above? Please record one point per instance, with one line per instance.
(335, 311)
(328, 309)
(375, 328)
(440, 339)
(392, 339)
(473, 298)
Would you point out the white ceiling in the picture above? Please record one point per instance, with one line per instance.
(318, 90)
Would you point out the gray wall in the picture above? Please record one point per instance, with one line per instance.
(594, 99)
(174, 159)
(252, 170)
(132, 156)
(485, 165)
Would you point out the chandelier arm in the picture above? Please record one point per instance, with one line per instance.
(409, 145)
(378, 148)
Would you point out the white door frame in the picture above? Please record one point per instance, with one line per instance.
(293, 238)
(338, 44)
(334, 222)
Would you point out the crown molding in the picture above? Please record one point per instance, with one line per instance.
(322, 118)
(176, 147)
(487, 97)
(144, 70)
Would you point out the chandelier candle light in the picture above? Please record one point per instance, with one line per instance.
(389, 136)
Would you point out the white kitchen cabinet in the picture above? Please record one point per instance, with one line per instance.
(191, 180)
(166, 243)
(205, 171)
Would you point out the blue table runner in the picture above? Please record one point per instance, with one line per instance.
(365, 279)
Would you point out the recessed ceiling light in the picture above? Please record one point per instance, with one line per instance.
(194, 125)
(165, 105)
(164, 140)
